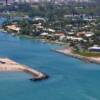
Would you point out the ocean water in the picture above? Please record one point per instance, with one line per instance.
(70, 79)
(2, 20)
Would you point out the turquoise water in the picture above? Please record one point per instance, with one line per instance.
(2, 20)
(70, 79)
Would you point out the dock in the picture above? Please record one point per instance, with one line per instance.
(8, 65)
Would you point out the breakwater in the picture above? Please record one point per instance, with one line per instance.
(10, 65)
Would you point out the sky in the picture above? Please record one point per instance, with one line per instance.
(41, 0)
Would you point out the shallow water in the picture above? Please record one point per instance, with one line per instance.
(70, 79)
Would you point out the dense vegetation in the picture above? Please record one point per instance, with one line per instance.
(55, 16)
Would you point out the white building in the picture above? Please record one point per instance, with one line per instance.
(94, 48)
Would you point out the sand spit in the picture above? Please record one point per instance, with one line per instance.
(11, 66)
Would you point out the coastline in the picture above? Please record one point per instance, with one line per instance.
(41, 39)
(35, 37)
(68, 52)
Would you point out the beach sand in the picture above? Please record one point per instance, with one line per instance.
(68, 52)
(10, 65)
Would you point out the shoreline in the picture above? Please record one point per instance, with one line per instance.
(32, 37)
(41, 39)
(68, 52)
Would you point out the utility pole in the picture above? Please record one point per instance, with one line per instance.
(6, 2)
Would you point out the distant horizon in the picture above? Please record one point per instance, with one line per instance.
(44, 0)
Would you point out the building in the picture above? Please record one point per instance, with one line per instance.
(94, 48)
(13, 28)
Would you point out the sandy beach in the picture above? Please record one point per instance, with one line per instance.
(11, 66)
(68, 52)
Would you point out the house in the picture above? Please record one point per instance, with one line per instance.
(14, 28)
(70, 33)
(80, 34)
(85, 34)
(89, 34)
(73, 38)
(44, 34)
(94, 48)
(50, 30)
(39, 19)
(59, 35)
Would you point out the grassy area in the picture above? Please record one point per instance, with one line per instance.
(18, 14)
(88, 54)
